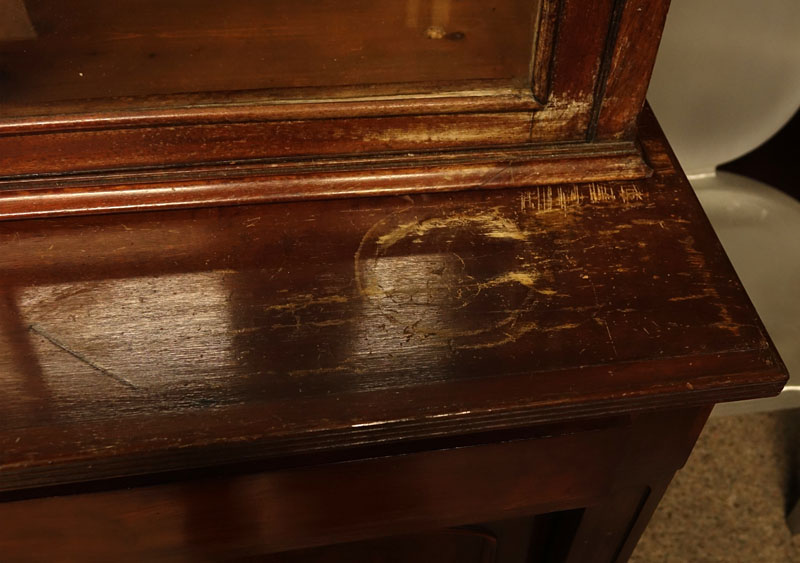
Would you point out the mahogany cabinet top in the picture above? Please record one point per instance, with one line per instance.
(247, 100)
(158, 341)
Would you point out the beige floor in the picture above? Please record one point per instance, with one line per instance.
(729, 503)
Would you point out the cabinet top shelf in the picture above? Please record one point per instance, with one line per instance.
(174, 340)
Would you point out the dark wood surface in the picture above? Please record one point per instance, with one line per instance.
(594, 490)
(635, 34)
(293, 508)
(503, 376)
(449, 546)
(88, 49)
(160, 341)
(81, 194)
(573, 115)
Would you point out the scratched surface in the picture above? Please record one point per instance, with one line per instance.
(263, 329)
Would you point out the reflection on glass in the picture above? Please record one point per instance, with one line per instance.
(56, 51)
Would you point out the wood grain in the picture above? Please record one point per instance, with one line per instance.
(275, 382)
(280, 510)
(238, 333)
(629, 67)
(226, 184)
(589, 66)
(88, 50)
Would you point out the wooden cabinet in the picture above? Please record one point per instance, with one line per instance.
(183, 103)
(89, 50)
(456, 546)
(440, 372)
(224, 383)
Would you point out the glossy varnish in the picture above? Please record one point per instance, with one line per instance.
(88, 49)
(529, 92)
(180, 339)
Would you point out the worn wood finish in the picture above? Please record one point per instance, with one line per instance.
(308, 103)
(575, 70)
(587, 75)
(624, 85)
(306, 380)
(171, 146)
(316, 179)
(549, 16)
(285, 376)
(426, 315)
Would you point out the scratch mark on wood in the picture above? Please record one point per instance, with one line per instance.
(58, 344)
(573, 198)
(520, 330)
(493, 225)
(306, 300)
(690, 297)
(600, 192)
(311, 324)
(630, 193)
(594, 291)
(348, 369)
(547, 198)
(697, 260)
(368, 236)
(527, 279)
(610, 338)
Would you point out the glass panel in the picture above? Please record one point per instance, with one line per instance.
(57, 50)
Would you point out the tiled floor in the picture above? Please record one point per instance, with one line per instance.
(729, 503)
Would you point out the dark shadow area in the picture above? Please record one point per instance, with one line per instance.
(775, 162)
